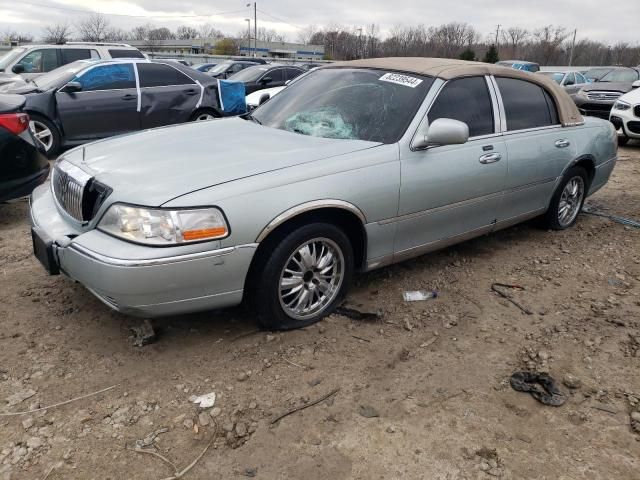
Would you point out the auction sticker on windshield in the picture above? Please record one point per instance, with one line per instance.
(405, 80)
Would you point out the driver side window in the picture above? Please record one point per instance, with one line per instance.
(108, 77)
(40, 61)
(466, 100)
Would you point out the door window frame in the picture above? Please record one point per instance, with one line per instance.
(91, 67)
(140, 87)
(503, 126)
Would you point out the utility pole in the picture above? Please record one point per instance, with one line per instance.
(497, 31)
(573, 44)
(248, 20)
(359, 53)
(255, 29)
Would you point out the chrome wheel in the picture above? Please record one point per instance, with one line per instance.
(42, 133)
(570, 201)
(203, 117)
(311, 278)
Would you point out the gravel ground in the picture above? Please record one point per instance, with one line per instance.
(423, 390)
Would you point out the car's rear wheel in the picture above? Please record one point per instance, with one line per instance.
(567, 200)
(204, 115)
(46, 133)
(302, 276)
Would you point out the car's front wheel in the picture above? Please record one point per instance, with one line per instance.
(46, 133)
(623, 140)
(301, 276)
(567, 200)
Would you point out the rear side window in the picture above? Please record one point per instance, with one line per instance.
(275, 75)
(125, 53)
(160, 75)
(466, 100)
(72, 54)
(526, 104)
(292, 73)
(108, 77)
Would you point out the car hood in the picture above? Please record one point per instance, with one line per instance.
(623, 87)
(157, 165)
(18, 86)
(633, 97)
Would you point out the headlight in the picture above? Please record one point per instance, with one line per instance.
(621, 105)
(163, 227)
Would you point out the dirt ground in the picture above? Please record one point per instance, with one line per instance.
(423, 391)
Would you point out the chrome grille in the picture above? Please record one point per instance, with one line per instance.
(602, 95)
(68, 183)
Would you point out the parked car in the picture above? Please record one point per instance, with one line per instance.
(257, 98)
(572, 82)
(89, 100)
(625, 115)
(23, 165)
(31, 61)
(203, 67)
(226, 69)
(186, 63)
(596, 73)
(520, 65)
(259, 60)
(259, 77)
(308, 66)
(353, 166)
(596, 99)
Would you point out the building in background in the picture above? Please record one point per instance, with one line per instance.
(207, 46)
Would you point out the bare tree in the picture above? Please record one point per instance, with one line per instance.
(514, 37)
(57, 34)
(184, 32)
(209, 31)
(94, 28)
(306, 34)
(13, 36)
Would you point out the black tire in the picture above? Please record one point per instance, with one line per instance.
(622, 140)
(551, 218)
(55, 134)
(203, 111)
(263, 284)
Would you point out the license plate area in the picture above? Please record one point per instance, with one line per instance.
(43, 251)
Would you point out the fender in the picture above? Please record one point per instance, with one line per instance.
(307, 207)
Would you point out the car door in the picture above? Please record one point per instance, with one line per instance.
(448, 192)
(291, 73)
(106, 105)
(168, 96)
(537, 146)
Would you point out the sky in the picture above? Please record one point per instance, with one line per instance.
(609, 22)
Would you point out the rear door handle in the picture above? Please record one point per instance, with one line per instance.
(490, 158)
(190, 92)
(129, 96)
(562, 143)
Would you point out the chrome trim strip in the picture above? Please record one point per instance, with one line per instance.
(442, 243)
(612, 159)
(503, 116)
(307, 207)
(441, 208)
(121, 262)
(531, 185)
(497, 118)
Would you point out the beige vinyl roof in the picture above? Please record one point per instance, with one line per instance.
(448, 69)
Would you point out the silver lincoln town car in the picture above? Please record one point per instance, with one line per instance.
(353, 166)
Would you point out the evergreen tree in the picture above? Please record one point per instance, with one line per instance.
(492, 55)
(468, 54)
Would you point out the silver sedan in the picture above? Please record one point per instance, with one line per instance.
(355, 166)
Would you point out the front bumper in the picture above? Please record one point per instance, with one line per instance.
(626, 122)
(593, 108)
(149, 282)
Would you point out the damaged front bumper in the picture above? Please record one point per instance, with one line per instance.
(135, 279)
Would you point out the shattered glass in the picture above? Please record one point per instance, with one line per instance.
(346, 103)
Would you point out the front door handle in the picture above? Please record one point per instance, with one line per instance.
(490, 158)
(191, 91)
(562, 143)
(129, 97)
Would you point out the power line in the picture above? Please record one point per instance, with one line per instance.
(76, 10)
(279, 19)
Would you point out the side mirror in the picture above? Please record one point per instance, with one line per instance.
(72, 87)
(442, 131)
(263, 98)
(18, 68)
(266, 80)
(636, 84)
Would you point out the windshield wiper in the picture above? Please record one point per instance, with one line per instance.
(254, 119)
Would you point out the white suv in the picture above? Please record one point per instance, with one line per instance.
(30, 61)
